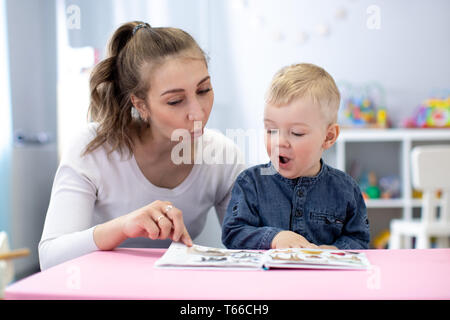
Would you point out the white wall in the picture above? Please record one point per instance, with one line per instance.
(408, 55)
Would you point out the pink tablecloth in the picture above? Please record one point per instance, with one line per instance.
(129, 274)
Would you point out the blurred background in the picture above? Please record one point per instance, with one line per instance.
(389, 58)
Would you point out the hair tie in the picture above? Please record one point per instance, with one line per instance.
(139, 26)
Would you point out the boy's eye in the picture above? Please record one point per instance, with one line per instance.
(272, 131)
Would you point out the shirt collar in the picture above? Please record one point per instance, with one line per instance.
(300, 180)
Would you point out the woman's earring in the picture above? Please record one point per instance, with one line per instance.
(135, 114)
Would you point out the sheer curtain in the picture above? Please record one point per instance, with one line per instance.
(5, 122)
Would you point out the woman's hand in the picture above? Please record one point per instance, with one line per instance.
(289, 239)
(158, 220)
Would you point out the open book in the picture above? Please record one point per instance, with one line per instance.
(179, 255)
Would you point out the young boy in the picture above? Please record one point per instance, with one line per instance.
(296, 200)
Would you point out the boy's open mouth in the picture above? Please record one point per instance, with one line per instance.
(283, 159)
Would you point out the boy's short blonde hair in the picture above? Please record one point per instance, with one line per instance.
(305, 80)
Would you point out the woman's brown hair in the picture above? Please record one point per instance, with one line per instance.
(133, 47)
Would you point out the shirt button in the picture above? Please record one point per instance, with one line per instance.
(300, 193)
(298, 213)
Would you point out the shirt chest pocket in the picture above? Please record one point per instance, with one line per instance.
(325, 220)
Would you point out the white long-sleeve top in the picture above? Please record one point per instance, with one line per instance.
(95, 188)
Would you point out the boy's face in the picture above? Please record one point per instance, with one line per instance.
(302, 133)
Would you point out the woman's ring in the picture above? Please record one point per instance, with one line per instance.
(168, 208)
(160, 217)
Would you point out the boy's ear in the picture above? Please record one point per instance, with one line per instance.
(331, 135)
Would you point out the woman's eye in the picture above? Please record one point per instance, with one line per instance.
(204, 91)
(297, 134)
(172, 103)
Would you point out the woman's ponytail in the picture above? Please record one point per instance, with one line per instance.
(106, 105)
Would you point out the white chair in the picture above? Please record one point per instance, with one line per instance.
(6, 266)
(430, 172)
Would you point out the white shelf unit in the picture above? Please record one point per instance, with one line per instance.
(395, 146)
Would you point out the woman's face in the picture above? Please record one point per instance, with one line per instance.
(180, 94)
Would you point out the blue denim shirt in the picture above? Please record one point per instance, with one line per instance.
(325, 209)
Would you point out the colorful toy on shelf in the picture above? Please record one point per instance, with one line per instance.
(417, 194)
(363, 108)
(390, 187)
(387, 187)
(373, 191)
(381, 240)
(363, 182)
(432, 113)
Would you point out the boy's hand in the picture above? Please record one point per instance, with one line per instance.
(289, 239)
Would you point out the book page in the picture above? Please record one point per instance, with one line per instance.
(179, 255)
(316, 259)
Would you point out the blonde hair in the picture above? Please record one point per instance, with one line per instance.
(305, 80)
(133, 46)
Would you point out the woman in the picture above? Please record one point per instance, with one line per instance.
(121, 181)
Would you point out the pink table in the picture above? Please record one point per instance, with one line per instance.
(129, 274)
